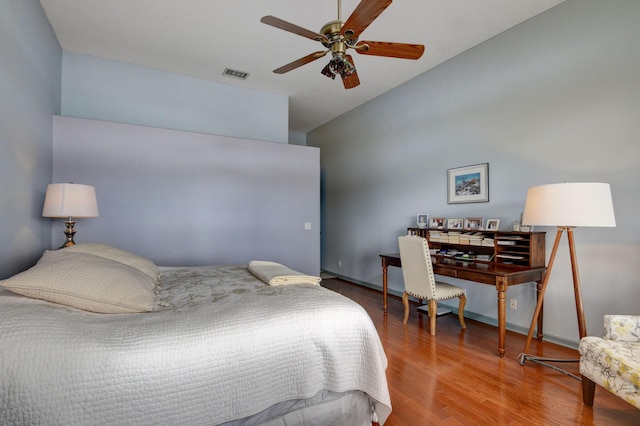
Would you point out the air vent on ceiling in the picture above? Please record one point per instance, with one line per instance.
(235, 74)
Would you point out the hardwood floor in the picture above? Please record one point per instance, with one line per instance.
(457, 377)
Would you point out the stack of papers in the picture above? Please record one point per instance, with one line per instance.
(509, 256)
(488, 242)
(476, 239)
(454, 237)
(465, 238)
(434, 235)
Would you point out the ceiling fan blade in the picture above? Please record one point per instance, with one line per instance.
(300, 62)
(363, 15)
(391, 50)
(292, 28)
(352, 80)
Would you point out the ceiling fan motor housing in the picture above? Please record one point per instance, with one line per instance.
(337, 42)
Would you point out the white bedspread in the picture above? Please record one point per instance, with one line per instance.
(228, 347)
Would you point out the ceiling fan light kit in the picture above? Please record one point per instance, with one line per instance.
(338, 65)
(338, 36)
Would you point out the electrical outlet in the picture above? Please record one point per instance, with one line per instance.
(339, 263)
(513, 304)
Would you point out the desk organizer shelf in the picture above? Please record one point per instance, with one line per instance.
(504, 247)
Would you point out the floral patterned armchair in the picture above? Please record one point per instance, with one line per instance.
(612, 362)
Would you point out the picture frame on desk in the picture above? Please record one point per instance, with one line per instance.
(469, 184)
(422, 220)
(492, 225)
(455, 223)
(437, 223)
(473, 223)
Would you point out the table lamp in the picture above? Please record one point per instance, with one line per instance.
(566, 206)
(70, 200)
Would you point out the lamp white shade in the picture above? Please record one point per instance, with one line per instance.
(70, 200)
(569, 204)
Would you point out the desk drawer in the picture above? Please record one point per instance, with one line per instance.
(476, 276)
(445, 272)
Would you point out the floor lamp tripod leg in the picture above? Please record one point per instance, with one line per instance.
(545, 281)
(582, 326)
(524, 356)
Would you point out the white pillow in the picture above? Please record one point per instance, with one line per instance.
(102, 250)
(85, 281)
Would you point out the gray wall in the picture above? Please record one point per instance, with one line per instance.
(114, 91)
(554, 99)
(297, 138)
(30, 61)
(184, 198)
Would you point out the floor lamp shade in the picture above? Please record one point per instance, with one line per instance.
(70, 200)
(569, 205)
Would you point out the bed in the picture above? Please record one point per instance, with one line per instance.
(189, 345)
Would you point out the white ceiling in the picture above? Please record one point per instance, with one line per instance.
(201, 38)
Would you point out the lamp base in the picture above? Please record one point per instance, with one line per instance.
(522, 358)
(69, 232)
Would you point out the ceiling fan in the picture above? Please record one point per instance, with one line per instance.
(338, 36)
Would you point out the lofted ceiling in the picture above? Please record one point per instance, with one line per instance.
(201, 38)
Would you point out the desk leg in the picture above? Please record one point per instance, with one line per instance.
(502, 315)
(384, 284)
(538, 297)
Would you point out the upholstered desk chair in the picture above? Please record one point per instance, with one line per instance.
(420, 282)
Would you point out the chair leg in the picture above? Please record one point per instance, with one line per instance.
(433, 313)
(405, 302)
(588, 391)
(463, 302)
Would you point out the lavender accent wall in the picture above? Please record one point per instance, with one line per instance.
(183, 198)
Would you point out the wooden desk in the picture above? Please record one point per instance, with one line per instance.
(500, 275)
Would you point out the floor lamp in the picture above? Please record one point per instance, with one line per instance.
(566, 206)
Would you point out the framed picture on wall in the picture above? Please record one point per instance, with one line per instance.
(469, 184)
